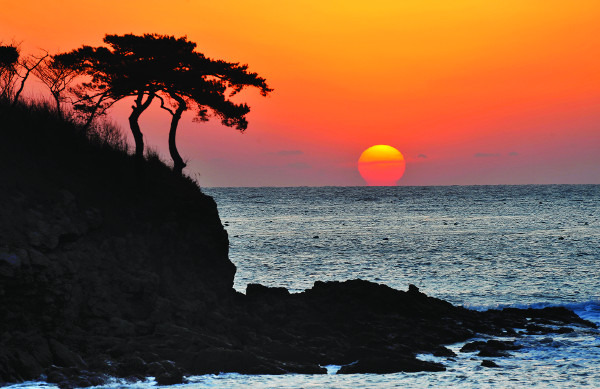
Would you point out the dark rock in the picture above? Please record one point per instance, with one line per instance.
(215, 361)
(63, 356)
(488, 363)
(443, 352)
(298, 368)
(24, 364)
(490, 348)
(122, 327)
(55, 376)
(564, 330)
(97, 380)
(492, 352)
(154, 369)
(260, 291)
(535, 329)
(10, 260)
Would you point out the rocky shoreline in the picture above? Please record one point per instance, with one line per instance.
(109, 268)
(365, 327)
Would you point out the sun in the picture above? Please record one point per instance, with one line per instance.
(381, 165)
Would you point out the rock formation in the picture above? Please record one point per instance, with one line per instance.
(109, 267)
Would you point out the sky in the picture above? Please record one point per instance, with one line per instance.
(471, 92)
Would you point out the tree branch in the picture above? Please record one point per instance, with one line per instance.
(162, 105)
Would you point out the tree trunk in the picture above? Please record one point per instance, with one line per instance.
(18, 93)
(178, 163)
(58, 110)
(138, 137)
(137, 109)
(92, 116)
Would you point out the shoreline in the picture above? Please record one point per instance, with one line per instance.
(270, 331)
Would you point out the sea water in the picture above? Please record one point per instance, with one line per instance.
(476, 246)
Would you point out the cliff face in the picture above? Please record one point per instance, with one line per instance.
(92, 242)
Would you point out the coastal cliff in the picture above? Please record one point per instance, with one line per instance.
(113, 267)
(95, 245)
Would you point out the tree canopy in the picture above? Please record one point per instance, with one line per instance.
(9, 55)
(206, 86)
(15, 70)
(153, 66)
(57, 78)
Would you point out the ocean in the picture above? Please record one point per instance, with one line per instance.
(477, 246)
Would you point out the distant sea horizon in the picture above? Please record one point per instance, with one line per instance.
(391, 186)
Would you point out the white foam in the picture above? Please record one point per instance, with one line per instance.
(588, 310)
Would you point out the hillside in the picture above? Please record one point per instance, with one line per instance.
(92, 242)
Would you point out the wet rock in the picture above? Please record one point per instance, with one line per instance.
(490, 348)
(55, 376)
(489, 363)
(215, 361)
(154, 369)
(491, 352)
(564, 330)
(444, 352)
(535, 329)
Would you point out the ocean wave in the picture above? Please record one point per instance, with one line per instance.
(588, 310)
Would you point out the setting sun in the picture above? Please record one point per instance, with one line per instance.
(381, 165)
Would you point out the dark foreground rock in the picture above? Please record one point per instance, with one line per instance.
(112, 268)
(366, 327)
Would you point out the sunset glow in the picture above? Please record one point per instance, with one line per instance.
(476, 92)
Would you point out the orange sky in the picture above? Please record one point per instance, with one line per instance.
(471, 92)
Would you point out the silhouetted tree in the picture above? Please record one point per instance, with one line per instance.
(17, 74)
(9, 57)
(90, 105)
(57, 78)
(156, 66)
(105, 72)
(130, 67)
(14, 71)
(205, 85)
